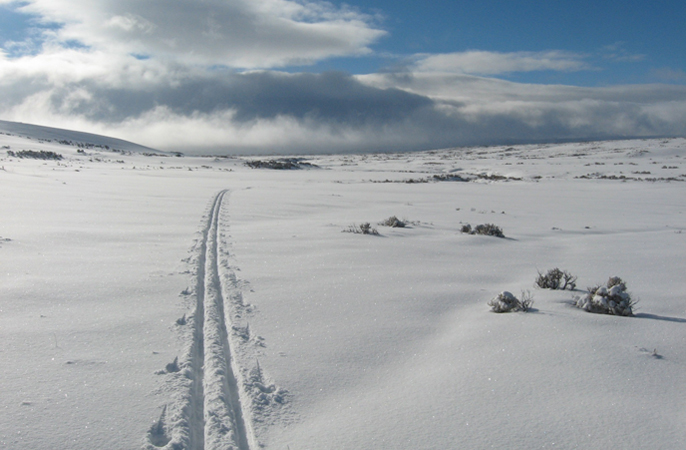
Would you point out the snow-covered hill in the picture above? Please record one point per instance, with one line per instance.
(157, 302)
(69, 137)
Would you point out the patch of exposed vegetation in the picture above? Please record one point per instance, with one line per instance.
(486, 229)
(86, 145)
(280, 164)
(609, 299)
(363, 228)
(507, 302)
(496, 177)
(452, 178)
(32, 154)
(556, 279)
(449, 177)
(393, 222)
(598, 176)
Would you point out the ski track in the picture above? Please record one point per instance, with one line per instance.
(224, 423)
(212, 414)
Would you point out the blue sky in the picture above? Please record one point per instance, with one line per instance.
(311, 76)
(623, 41)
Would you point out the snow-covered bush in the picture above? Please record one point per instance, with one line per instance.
(363, 228)
(486, 229)
(489, 229)
(393, 222)
(507, 302)
(280, 164)
(556, 279)
(610, 299)
(42, 154)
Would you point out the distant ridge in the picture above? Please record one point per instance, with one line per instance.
(57, 134)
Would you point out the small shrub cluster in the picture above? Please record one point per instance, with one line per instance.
(363, 228)
(507, 302)
(82, 144)
(280, 164)
(496, 177)
(609, 299)
(393, 222)
(556, 279)
(487, 229)
(42, 154)
(449, 177)
(612, 298)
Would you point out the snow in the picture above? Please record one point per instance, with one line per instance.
(41, 133)
(313, 338)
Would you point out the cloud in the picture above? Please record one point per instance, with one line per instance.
(617, 52)
(474, 89)
(164, 76)
(232, 33)
(494, 63)
(666, 74)
(272, 112)
(237, 111)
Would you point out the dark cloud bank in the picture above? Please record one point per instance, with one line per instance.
(378, 118)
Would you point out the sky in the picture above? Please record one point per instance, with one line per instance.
(299, 76)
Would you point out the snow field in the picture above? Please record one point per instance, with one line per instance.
(381, 342)
(386, 344)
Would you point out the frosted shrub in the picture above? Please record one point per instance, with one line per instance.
(280, 164)
(486, 229)
(556, 279)
(609, 299)
(616, 281)
(489, 229)
(368, 229)
(393, 222)
(507, 302)
(363, 228)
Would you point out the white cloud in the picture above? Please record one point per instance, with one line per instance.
(617, 52)
(493, 63)
(131, 24)
(233, 33)
(267, 112)
(667, 74)
(57, 66)
(492, 110)
(175, 99)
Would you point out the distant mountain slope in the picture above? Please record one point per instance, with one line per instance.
(57, 134)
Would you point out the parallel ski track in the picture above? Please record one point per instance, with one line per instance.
(216, 418)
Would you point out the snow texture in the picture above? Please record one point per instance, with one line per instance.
(153, 301)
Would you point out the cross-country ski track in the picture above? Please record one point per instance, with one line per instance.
(210, 415)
